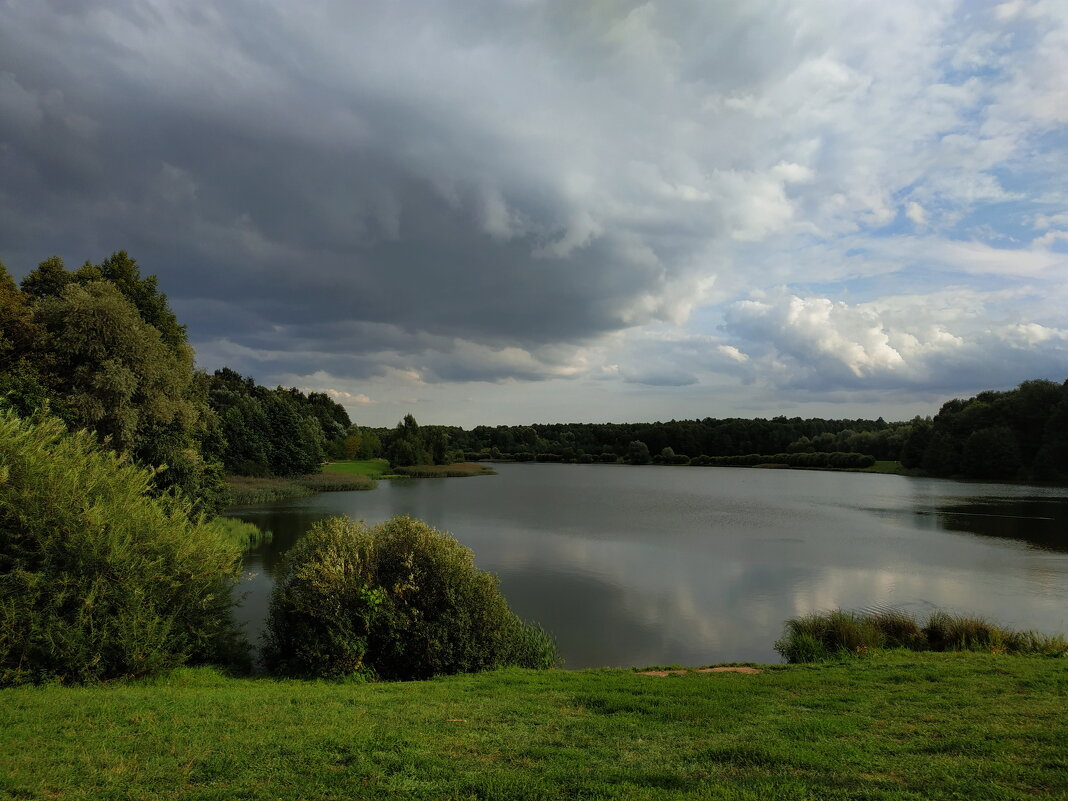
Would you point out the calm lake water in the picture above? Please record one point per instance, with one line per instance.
(661, 565)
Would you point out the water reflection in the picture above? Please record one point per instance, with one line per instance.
(659, 565)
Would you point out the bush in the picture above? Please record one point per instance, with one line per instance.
(98, 580)
(399, 600)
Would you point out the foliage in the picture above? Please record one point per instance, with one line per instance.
(251, 489)
(98, 580)
(638, 453)
(997, 435)
(399, 600)
(100, 348)
(279, 432)
(407, 444)
(827, 635)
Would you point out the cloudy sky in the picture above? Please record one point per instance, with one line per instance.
(507, 211)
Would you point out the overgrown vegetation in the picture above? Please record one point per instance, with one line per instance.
(98, 580)
(454, 470)
(399, 600)
(240, 534)
(248, 489)
(830, 635)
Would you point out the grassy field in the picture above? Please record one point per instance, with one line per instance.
(892, 726)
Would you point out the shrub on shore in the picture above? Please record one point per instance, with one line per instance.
(399, 600)
(827, 635)
(97, 579)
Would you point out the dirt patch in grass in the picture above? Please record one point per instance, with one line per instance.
(661, 672)
(749, 671)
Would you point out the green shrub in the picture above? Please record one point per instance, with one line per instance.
(98, 580)
(399, 600)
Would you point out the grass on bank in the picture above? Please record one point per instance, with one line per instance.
(898, 725)
(829, 635)
(247, 489)
(372, 468)
(454, 470)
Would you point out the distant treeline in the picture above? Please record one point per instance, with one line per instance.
(1018, 434)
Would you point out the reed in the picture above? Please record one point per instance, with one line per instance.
(830, 635)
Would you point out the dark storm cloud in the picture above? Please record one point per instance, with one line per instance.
(242, 160)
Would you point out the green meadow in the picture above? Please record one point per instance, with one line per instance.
(893, 725)
(372, 468)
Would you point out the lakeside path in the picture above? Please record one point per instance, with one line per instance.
(892, 726)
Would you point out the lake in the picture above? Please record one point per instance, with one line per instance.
(629, 565)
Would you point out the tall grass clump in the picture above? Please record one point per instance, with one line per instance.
(244, 536)
(97, 579)
(399, 600)
(253, 489)
(828, 635)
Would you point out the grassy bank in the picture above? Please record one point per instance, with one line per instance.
(455, 470)
(246, 489)
(372, 468)
(894, 726)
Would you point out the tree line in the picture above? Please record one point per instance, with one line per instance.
(1016, 434)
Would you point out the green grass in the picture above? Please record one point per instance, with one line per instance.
(373, 468)
(454, 470)
(896, 726)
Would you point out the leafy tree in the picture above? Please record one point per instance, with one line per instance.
(638, 453)
(115, 372)
(991, 453)
(915, 445)
(47, 280)
(123, 273)
(408, 446)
